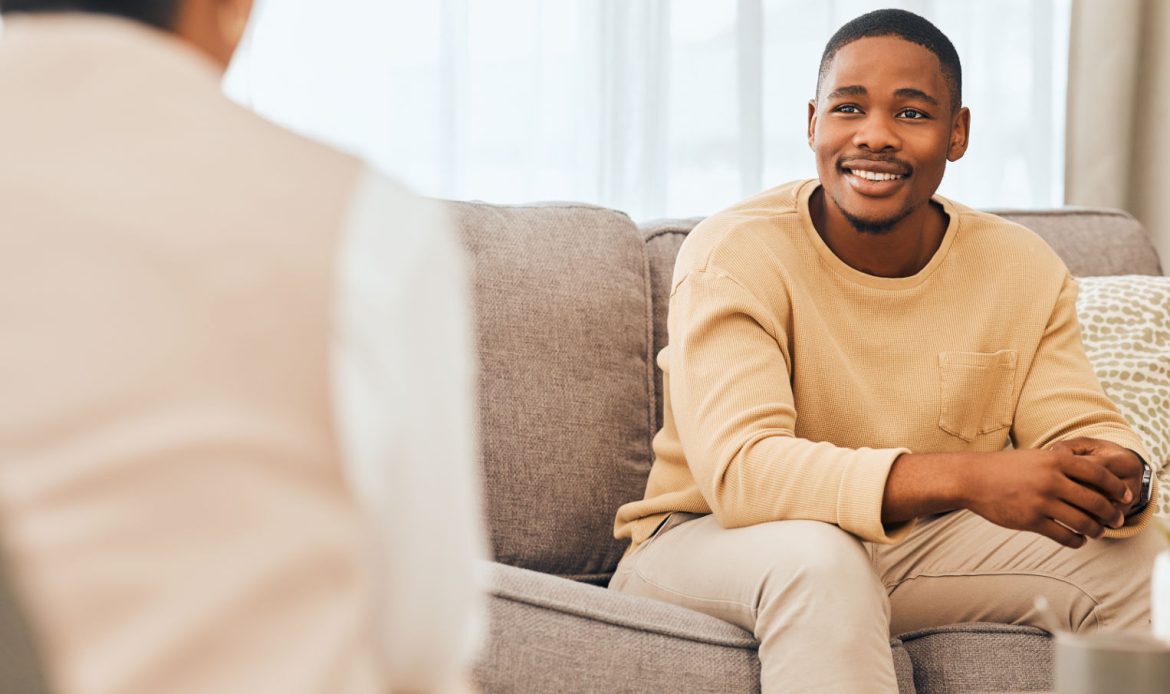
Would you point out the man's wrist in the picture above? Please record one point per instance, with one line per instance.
(967, 482)
(921, 484)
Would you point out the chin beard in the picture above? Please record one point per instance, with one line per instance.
(875, 227)
(872, 226)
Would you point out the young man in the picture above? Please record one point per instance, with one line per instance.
(848, 359)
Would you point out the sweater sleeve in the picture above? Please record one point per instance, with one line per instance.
(731, 394)
(1061, 397)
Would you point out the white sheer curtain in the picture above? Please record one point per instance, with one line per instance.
(655, 107)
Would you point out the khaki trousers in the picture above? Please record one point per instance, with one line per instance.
(823, 604)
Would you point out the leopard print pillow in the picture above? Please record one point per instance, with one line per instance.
(1126, 327)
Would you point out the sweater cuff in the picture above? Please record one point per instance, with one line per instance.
(860, 494)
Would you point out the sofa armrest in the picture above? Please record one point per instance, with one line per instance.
(584, 601)
(551, 634)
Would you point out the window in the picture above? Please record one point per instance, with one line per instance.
(655, 107)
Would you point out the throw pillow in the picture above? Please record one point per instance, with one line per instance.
(1126, 326)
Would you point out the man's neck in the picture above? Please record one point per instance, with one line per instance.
(901, 251)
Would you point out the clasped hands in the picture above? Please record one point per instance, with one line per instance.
(1071, 491)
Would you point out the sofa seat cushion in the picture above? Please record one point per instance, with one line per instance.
(553, 635)
(565, 383)
(980, 658)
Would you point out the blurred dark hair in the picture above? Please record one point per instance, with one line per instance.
(159, 13)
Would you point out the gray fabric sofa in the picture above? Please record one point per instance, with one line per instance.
(571, 303)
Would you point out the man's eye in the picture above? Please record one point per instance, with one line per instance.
(912, 114)
(847, 108)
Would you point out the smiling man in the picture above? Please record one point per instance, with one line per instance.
(848, 359)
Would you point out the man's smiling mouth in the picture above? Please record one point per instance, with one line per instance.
(875, 175)
(873, 170)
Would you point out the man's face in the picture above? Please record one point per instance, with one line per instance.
(882, 130)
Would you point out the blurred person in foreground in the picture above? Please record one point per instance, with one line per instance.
(236, 423)
(849, 358)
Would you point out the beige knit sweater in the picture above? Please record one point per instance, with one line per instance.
(793, 381)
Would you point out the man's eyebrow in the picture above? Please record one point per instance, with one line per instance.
(911, 93)
(852, 90)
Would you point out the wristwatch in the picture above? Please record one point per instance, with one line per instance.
(1147, 488)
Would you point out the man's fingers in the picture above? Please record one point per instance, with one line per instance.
(1083, 443)
(1124, 466)
(1119, 460)
(1061, 534)
(1091, 470)
(1065, 447)
(1091, 502)
(1077, 446)
(1076, 520)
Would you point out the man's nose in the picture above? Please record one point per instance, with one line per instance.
(877, 133)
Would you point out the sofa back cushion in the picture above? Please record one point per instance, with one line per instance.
(1090, 241)
(565, 383)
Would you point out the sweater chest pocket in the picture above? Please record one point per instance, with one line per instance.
(976, 392)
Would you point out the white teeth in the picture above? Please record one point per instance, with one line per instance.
(874, 175)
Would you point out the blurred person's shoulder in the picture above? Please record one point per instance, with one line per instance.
(114, 91)
(91, 98)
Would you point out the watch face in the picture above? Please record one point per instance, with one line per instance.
(1147, 484)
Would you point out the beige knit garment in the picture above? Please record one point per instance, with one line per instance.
(171, 495)
(793, 381)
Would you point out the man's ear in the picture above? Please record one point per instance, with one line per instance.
(960, 135)
(812, 122)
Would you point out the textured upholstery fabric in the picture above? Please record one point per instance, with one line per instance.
(980, 658)
(562, 304)
(1126, 326)
(550, 635)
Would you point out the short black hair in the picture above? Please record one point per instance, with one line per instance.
(907, 26)
(158, 13)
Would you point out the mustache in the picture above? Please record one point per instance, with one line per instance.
(882, 163)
